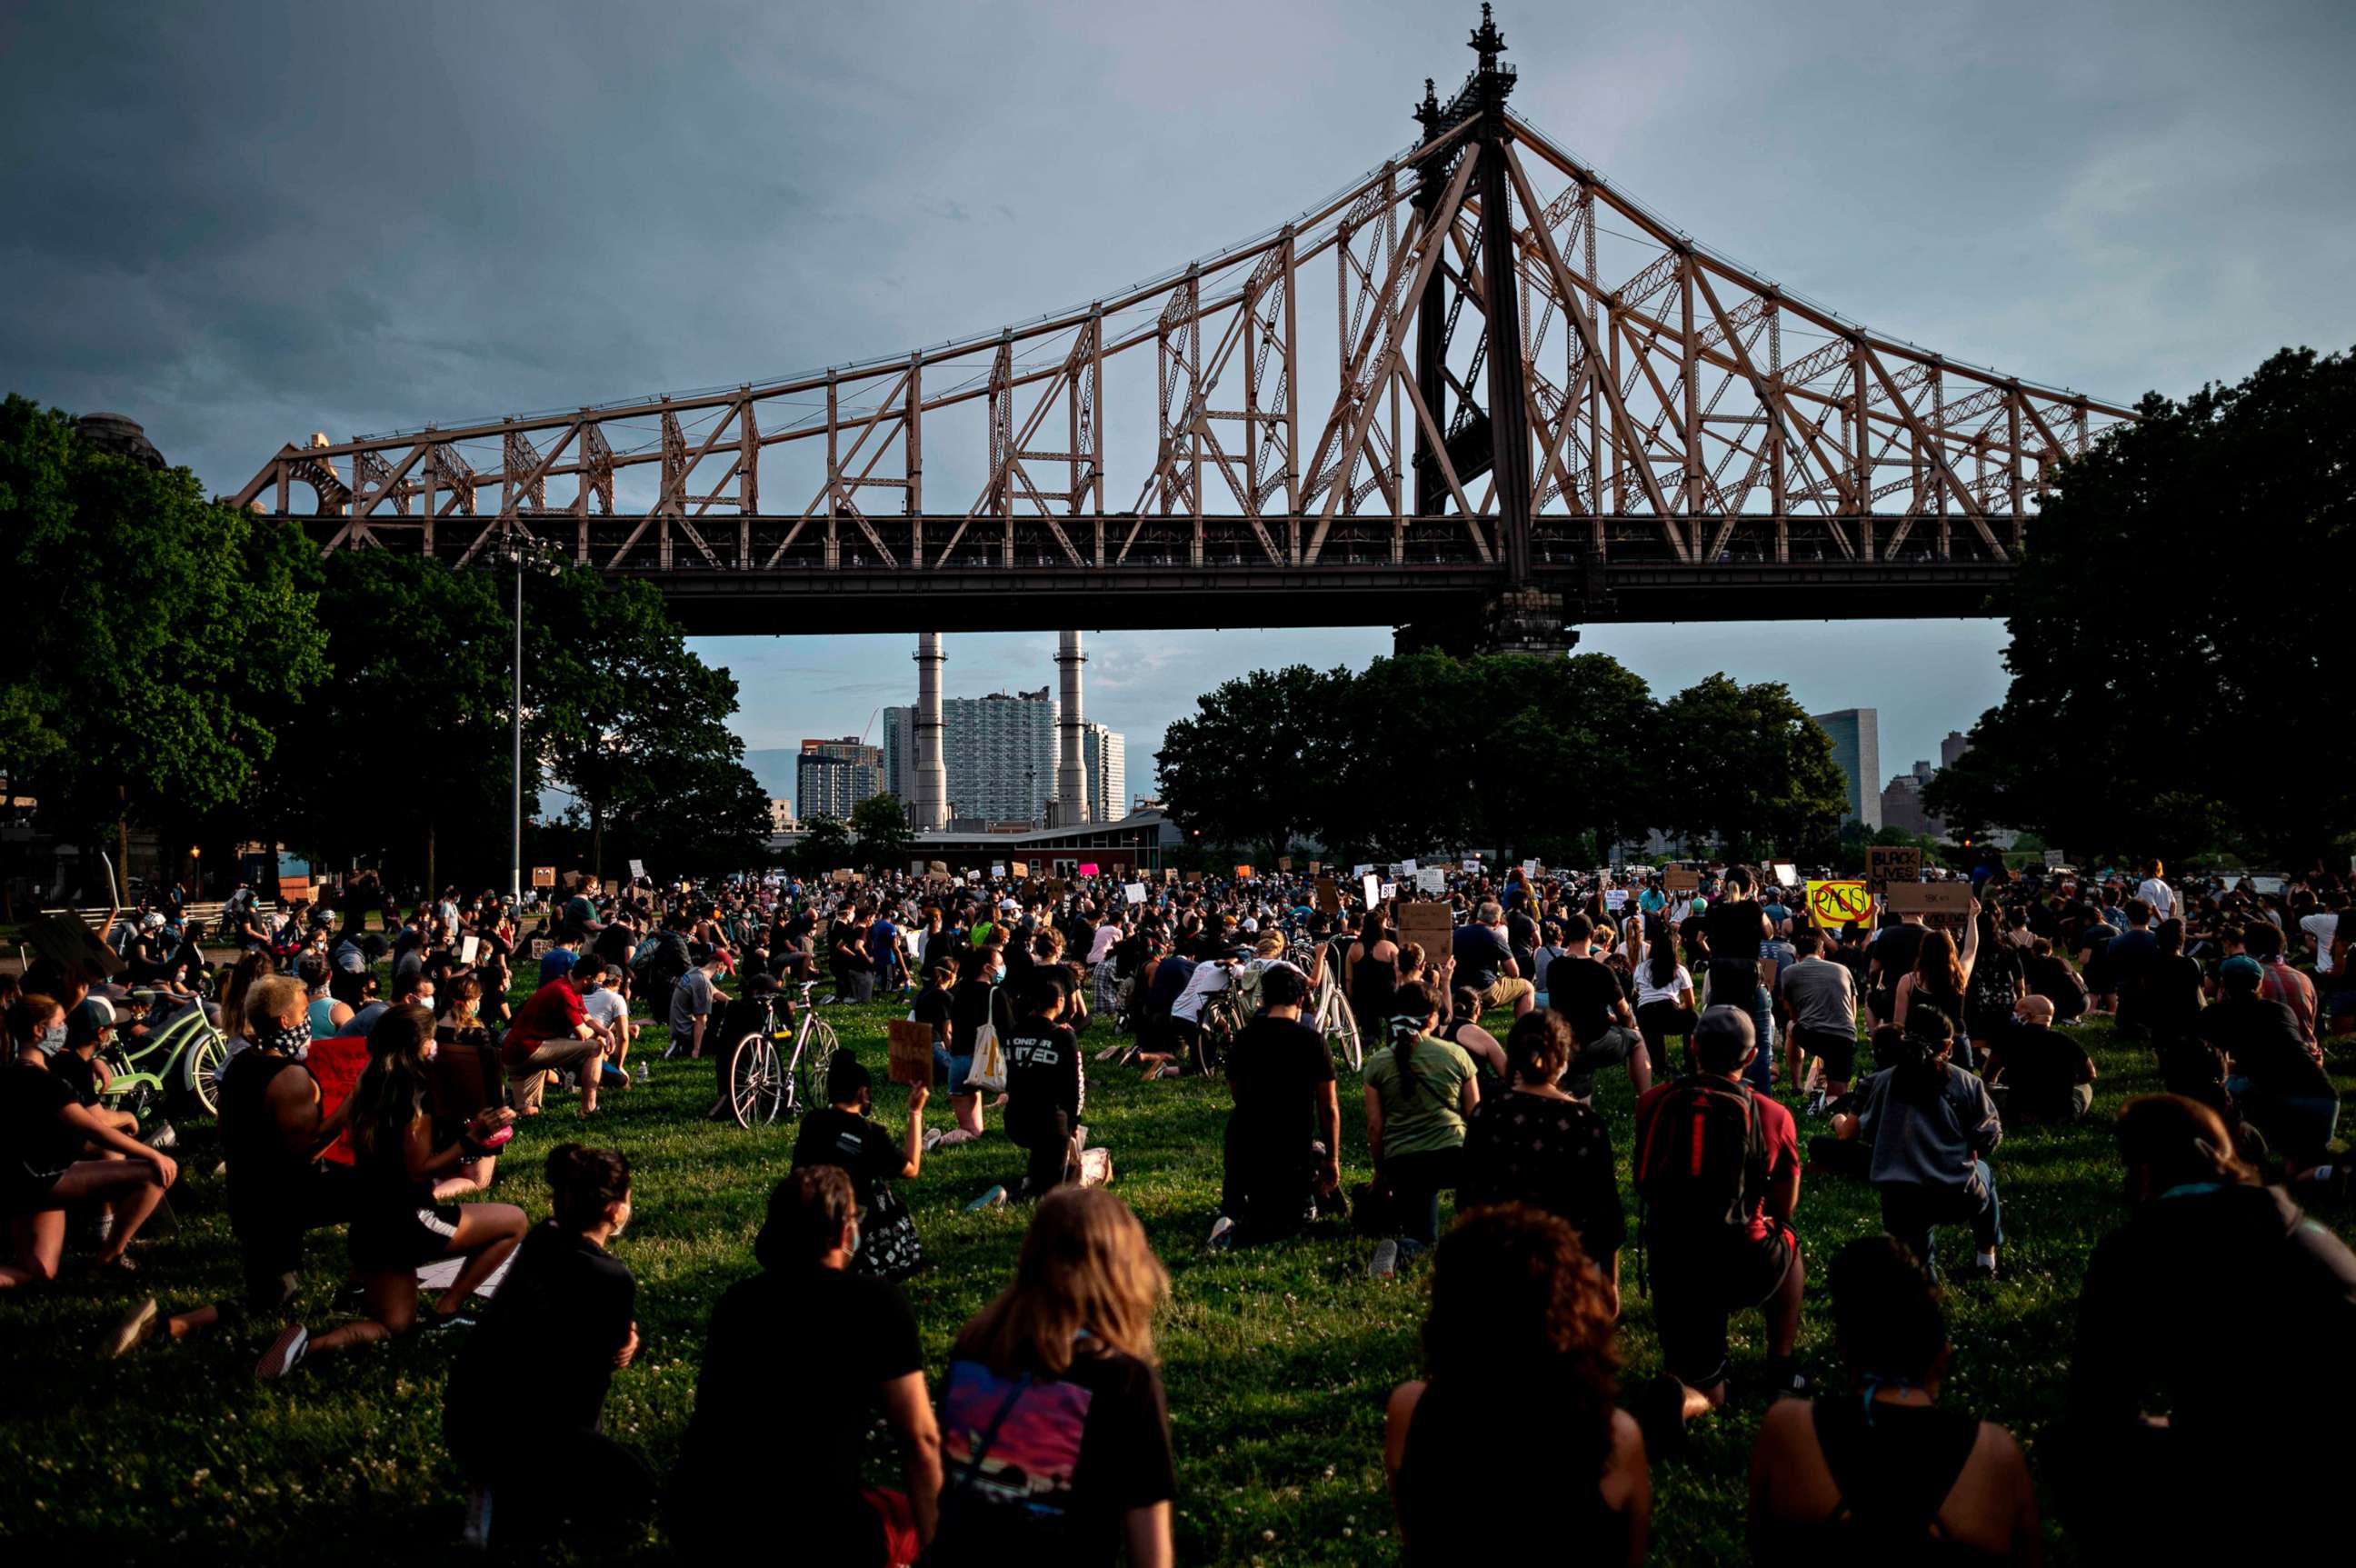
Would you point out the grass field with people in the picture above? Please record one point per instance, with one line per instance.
(1278, 1359)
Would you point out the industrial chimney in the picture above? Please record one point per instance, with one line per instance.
(1071, 771)
(931, 807)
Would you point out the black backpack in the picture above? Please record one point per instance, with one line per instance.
(658, 964)
(1701, 1158)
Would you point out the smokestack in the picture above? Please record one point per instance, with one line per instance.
(931, 807)
(1071, 772)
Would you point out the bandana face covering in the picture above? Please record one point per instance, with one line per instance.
(294, 1038)
(52, 1039)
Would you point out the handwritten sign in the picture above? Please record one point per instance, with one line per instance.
(911, 1044)
(1329, 896)
(1676, 879)
(1134, 892)
(1615, 899)
(467, 947)
(1838, 903)
(1431, 879)
(1886, 864)
(997, 869)
(1020, 869)
(637, 871)
(543, 876)
(1243, 873)
(1430, 926)
(1943, 906)
(1284, 863)
(1316, 867)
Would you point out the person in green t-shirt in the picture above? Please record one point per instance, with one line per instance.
(1419, 1092)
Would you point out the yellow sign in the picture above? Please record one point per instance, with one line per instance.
(1838, 903)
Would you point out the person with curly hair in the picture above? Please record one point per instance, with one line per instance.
(1519, 1330)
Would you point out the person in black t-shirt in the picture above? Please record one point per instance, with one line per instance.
(1894, 954)
(2275, 1078)
(2041, 1075)
(812, 1495)
(565, 1310)
(1054, 1431)
(1537, 1146)
(1285, 1133)
(1587, 993)
(2043, 974)
(843, 1133)
(1046, 1088)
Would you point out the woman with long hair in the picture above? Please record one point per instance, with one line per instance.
(1519, 1330)
(1939, 984)
(397, 1224)
(1370, 972)
(1664, 990)
(1931, 1129)
(1054, 1432)
(1419, 1092)
(251, 966)
(1539, 1145)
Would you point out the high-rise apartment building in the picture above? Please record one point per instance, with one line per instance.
(831, 776)
(1857, 748)
(1952, 750)
(1106, 753)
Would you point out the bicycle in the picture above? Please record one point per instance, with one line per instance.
(761, 1084)
(186, 1056)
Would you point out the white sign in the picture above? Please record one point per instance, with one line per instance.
(1373, 890)
(637, 870)
(1529, 868)
(1135, 892)
(1786, 876)
(1471, 868)
(1404, 868)
(1391, 889)
(1615, 899)
(467, 947)
(997, 869)
(1360, 870)
(1431, 879)
(2054, 858)
(2266, 884)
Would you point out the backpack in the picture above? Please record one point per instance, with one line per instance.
(1701, 1157)
(659, 962)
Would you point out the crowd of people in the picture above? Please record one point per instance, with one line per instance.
(377, 1069)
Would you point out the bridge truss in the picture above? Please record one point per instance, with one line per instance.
(1480, 368)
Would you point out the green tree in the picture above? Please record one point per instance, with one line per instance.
(2171, 629)
(1250, 769)
(156, 636)
(885, 838)
(1745, 765)
(825, 847)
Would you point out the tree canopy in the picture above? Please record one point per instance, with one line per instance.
(2171, 632)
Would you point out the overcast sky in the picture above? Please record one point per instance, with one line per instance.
(240, 222)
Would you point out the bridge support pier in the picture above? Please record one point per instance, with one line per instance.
(1530, 621)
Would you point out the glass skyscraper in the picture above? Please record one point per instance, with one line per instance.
(1856, 746)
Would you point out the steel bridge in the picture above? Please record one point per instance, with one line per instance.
(1480, 390)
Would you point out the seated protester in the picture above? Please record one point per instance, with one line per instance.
(843, 1132)
(2047, 975)
(1549, 947)
(2173, 986)
(1664, 989)
(273, 1133)
(1931, 1001)
(1520, 1330)
(2274, 1078)
(44, 1132)
(564, 1312)
(1586, 992)
(2283, 984)
(1995, 984)
(1419, 1090)
(1484, 960)
(2038, 1074)
(1821, 1000)
(1284, 1135)
(933, 1006)
(87, 1028)
(609, 1010)
(1054, 1433)
(1046, 1089)
(695, 1002)
(552, 1030)
(1461, 1027)
(2175, 1440)
(1884, 1473)
(1539, 1146)
(1893, 955)
(397, 1225)
(870, 1360)
(1839, 1152)
(561, 955)
(1717, 1166)
(325, 1013)
(1931, 1129)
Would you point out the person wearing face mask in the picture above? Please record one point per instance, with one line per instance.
(43, 1132)
(610, 1012)
(535, 1467)
(273, 1131)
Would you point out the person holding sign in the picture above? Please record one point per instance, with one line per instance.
(845, 1133)
(1937, 987)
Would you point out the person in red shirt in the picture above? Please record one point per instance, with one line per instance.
(1718, 1167)
(551, 1031)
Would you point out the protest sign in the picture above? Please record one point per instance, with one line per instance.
(1676, 879)
(1404, 868)
(997, 870)
(1316, 867)
(1360, 870)
(1471, 868)
(1329, 896)
(1943, 906)
(467, 947)
(1529, 868)
(1615, 899)
(1431, 879)
(1786, 874)
(911, 1047)
(1134, 892)
(637, 871)
(2055, 860)
(543, 876)
(1020, 869)
(1243, 873)
(1886, 864)
(1087, 868)
(1371, 889)
(1838, 903)
(1430, 925)
(1284, 863)
(1391, 889)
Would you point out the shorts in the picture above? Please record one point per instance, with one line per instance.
(386, 1240)
(1696, 1283)
(1505, 992)
(1610, 1048)
(527, 1078)
(949, 1073)
(1838, 1050)
(26, 1191)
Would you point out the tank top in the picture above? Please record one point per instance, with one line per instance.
(261, 1168)
(1449, 1508)
(323, 1016)
(1371, 984)
(1892, 1473)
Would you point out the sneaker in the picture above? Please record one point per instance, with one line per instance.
(1385, 1261)
(286, 1353)
(994, 1198)
(135, 1330)
(442, 1322)
(1785, 1380)
(350, 1296)
(163, 1137)
(1222, 1234)
(933, 1137)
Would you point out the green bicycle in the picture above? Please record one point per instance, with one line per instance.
(182, 1060)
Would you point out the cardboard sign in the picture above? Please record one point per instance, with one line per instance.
(1370, 888)
(1243, 873)
(66, 937)
(1329, 896)
(1134, 892)
(1019, 869)
(543, 876)
(1168, 874)
(463, 1078)
(937, 867)
(1430, 926)
(911, 1047)
(1838, 903)
(1943, 906)
(1284, 863)
(1888, 863)
(637, 871)
(1316, 867)
(1677, 880)
(1786, 874)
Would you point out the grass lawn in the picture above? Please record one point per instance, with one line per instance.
(1277, 1360)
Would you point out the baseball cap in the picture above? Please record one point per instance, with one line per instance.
(1728, 1029)
(92, 1017)
(2242, 963)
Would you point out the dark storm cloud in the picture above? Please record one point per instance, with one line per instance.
(241, 223)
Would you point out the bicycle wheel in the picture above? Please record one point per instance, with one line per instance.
(1342, 1032)
(208, 1054)
(756, 1084)
(808, 1089)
